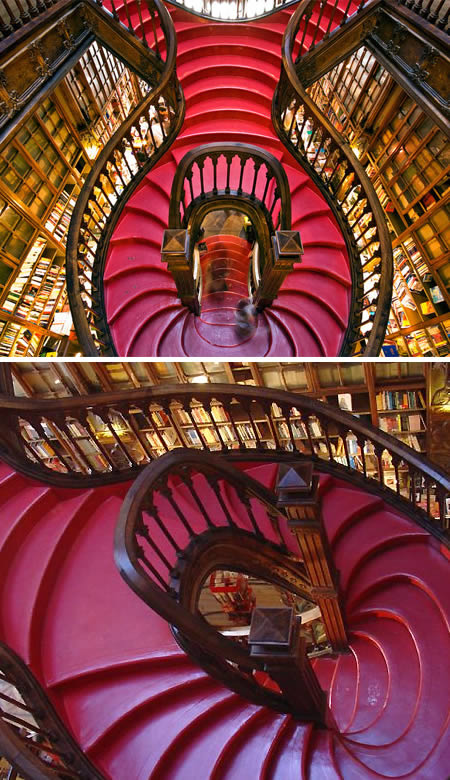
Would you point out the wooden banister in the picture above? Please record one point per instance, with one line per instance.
(128, 156)
(168, 577)
(109, 437)
(330, 162)
(33, 738)
(209, 178)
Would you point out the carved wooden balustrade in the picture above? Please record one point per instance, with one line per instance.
(106, 438)
(414, 52)
(33, 738)
(433, 11)
(17, 14)
(320, 149)
(187, 515)
(128, 156)
(37, 56)
(248, 179)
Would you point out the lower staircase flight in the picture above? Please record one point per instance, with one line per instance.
(140, 708)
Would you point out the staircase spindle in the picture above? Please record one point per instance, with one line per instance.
(144, 532)
(214, 483)
(188, 481)
(155, 34)
(141, 23)
(323, 4)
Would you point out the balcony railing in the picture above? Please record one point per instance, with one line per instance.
(106, 438)
(139, 143)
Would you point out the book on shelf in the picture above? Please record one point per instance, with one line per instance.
(210, 436)
(345, 401)
(388, 400)
(401, 423)
(245, 431)
(160, 418)
(436, 294)
(193, 436)
(226, 433)
(200, 415)
(219, 414)
(427, 307)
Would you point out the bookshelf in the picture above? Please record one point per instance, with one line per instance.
(42, 170)
(403, 414)
(407, 159)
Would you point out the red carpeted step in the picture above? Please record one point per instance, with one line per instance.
(141, 709)
(245, 752)
(95, 702)
(322, 765)
(286, 754)
(229, 73)
(194, 751)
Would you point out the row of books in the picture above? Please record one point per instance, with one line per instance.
(17, 340)
(401, 423)
(405, 399)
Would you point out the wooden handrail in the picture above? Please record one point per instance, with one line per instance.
(434, 12)
(151, 568)
(330, 162)
(109, 437)
(189, 188)
(46, 749)
(237, 175)
(125, 160)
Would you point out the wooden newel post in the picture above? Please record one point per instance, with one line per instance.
(298, 493)
(275, 639)
(287, 249)
(175, 252)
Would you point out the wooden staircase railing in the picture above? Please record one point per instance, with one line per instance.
(330, 162)
(248, 179)
(33, 738)
(186, 515)
(434, 12)
(39, 54)
(128, 156)
(413, 51)
(109, 437)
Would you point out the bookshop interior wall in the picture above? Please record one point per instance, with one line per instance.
(43, 167)
(407, 400)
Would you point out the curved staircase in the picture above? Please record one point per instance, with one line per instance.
(228, 74)
(140, 708)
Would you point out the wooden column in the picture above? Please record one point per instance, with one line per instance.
(298, 493)
(275, 639)
(176, 253)
(287, 249)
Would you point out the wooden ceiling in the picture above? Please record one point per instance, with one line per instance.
(58, 379)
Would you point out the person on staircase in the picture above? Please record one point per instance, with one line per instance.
(216, 272)
(245, 318)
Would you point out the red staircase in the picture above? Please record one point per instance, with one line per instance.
(140, 708)
(228, 73)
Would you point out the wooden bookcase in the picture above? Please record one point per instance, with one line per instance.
(408, 159)
(42, 170)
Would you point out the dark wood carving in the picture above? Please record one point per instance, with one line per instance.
(238, 403)
(270, 213)
(303, 508)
